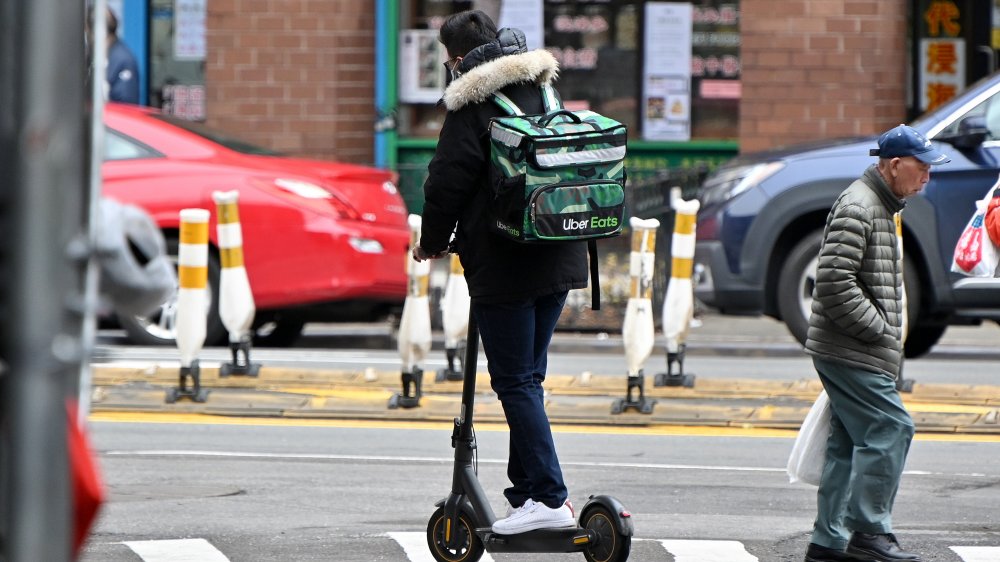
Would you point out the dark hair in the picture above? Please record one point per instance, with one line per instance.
(465, 31)
(112, 23)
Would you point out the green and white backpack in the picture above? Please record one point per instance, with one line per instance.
(557, 176)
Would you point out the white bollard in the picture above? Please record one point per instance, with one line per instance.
(638, 331)
(902, 384)
(414, 325)
(192, 301)
(236, 304)
(678, 306)
(455, 304)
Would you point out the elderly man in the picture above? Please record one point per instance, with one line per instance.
(854, 336)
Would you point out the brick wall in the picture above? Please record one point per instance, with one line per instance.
(820, 69)
(293, 75)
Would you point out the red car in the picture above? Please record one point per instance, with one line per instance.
(322, 241)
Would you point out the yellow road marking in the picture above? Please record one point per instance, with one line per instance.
(665, 430)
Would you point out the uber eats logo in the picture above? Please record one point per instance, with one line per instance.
(570, 223)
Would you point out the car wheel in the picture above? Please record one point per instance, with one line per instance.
(922, 338)
(798, 278)
(278, 331)
(796, 282)
(159, 328)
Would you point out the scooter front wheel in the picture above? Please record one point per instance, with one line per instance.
(468, 547)
(611, 545)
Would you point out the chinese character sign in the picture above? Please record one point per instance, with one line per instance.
(941, 63)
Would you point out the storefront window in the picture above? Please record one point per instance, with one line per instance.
(177, 57)
(603, 67)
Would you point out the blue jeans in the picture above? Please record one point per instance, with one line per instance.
(516, 337)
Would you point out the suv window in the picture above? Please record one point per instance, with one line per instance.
(989, 110)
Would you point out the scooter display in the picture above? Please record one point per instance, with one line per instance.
(460, 530)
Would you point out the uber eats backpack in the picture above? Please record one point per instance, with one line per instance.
(557, 176)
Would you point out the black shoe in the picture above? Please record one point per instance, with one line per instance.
(880, 548)
(817, 553)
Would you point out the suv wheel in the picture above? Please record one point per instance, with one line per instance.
(796, 282)
(798, 278)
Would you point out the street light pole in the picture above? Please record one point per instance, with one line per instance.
(43, 206)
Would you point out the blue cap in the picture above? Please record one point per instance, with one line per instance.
(903, 141)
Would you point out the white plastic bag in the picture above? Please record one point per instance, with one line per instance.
(975, 255)
(808, 457)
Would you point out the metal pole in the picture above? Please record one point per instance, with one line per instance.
(42, 201)
(99, 56)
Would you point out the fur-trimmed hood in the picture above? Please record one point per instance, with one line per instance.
(479, 83)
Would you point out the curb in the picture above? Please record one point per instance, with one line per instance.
(580, 400)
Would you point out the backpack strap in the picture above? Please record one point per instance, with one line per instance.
(506, 104)
(549, 98)
(595, 280)
(550, 101)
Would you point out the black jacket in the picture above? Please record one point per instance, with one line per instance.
(456, 190)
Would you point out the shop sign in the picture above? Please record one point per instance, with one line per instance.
(941, 57)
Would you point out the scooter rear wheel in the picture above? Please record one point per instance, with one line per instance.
(611, 545)
(470, 548)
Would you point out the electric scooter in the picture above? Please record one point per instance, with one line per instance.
(460, 530)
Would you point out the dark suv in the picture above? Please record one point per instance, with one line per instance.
(762, 217)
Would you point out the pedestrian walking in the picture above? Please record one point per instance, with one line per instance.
(854, 337)
(517, 290)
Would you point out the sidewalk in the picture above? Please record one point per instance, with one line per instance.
(573, 399)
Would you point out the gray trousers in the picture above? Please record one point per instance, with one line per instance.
(870, 434)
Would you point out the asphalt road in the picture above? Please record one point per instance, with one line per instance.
(244, 489)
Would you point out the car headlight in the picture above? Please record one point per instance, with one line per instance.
(729, 183)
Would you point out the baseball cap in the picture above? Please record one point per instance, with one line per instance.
(904, 141)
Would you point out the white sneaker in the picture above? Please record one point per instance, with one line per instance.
(534, 515)
(511, 509)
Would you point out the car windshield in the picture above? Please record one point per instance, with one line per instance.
(216, 137)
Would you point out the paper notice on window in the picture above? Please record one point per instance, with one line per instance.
(526, 15)
(666, 94)
(421, 66)
(189, 29)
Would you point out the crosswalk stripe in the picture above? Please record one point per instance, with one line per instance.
(707, 551)
(177, 550)
(415, 547)
(977, 553)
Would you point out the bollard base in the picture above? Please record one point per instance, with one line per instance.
(240, 365)
(665, 379)
(641, 404)
(904, 385)
(195, 393)
(410, 397)
(670, 378)
(448, 374)
(232, 369)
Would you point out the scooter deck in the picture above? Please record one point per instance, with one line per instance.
(569, 539)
